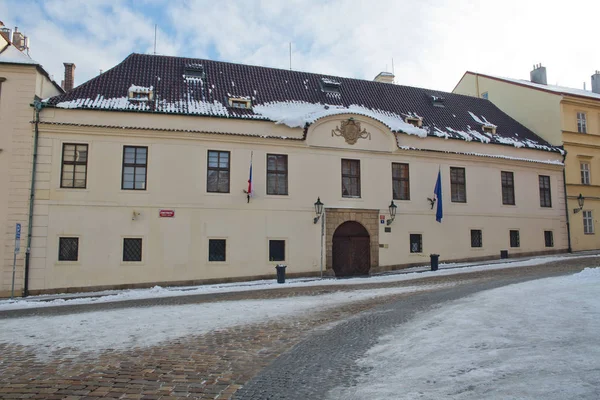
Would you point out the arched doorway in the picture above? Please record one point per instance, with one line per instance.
(351, 250)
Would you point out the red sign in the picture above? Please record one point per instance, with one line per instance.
(166, 213)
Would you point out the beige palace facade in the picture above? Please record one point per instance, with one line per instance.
(143, 177)
(565, 117)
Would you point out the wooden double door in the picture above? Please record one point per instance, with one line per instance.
(351, 250)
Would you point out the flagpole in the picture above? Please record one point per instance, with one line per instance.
(250, 183)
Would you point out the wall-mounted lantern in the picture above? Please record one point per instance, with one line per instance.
(318, 210)
(392, 208)
(580, 201)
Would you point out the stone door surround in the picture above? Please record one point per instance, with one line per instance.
(334, 217)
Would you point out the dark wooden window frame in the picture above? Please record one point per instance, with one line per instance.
(401, 181)
(508, 187)
(351, 176)
(218, 169)
(515, 238)
(457, 182)
(211, 257)
(61, 252)
(418, 239)
(74, 163)
(549, 238)
(277, 173)
(135, 166)
(273, 242)
(474, 234)
(137, 240)
(545, 191)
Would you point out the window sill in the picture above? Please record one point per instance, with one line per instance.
(477, 248)
(589, 233)
(217, 263)
(351, 198)
(132, 263)
(67, 263)
(220, 193)
(67, 189)
(278, 196)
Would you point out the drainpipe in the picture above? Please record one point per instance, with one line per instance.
(37, 106)
(569, 249)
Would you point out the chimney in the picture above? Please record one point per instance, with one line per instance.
(5, 32)
(18, 40)
(538, 75)
(384, 77)
(67, 83)
(596, 82)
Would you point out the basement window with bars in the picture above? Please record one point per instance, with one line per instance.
(416, 243)
(549, 238)
(132, 249)
(68, 249)
(476, 238)
(515, 240)
(217, 249)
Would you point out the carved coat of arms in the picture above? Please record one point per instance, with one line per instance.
(351, 131)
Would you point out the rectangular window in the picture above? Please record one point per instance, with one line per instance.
(585, 173)
(545, 197)
(277, 174)
(400, 181)
(458, 185)
(588, 223)
(508, 188)
(350, 178)
(276, 250)
(217, 172)
(132, 249)
(68, 249)
(515, 239)
(216, 249)
(476, 238)
(135, 160)
(74, 166)
(416, 243)
(581, 122)
(549, 238)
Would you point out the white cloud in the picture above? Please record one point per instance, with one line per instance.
(432, 42)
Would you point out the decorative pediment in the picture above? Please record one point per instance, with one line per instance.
(351, 131)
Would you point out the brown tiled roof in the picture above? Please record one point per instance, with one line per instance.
(460, 118)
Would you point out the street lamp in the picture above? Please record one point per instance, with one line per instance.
(392, 208)
(580, 201)
(318, 210)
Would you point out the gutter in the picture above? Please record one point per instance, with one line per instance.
(38, 105)
(569, 249)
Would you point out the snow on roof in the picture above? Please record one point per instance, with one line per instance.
(140, 89)
(293, 98)
(550, 88)
(13, 55)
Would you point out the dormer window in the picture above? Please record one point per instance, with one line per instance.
(196, 71)
(330, 86)
(240, 102)
(437, 101)
(414, 121)
(489, 129)
(140, 93)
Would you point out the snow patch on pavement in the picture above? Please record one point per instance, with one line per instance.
(161, 292)
(532, 340)
(126, 328)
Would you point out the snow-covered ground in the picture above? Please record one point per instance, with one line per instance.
(161, 292)
(533, 340)
(126, 328)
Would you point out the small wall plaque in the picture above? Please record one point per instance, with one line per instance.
(166, 213)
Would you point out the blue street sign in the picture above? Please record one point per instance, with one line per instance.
(18, 239)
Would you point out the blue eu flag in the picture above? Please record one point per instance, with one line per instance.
(439, 213)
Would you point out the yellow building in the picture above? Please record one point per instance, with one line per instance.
(565, 117)
(22, 80)
(143, 173)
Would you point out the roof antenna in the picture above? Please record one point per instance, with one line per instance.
(290, 56)
(392, 65)
(154, 39)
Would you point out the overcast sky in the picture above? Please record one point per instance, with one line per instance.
(432, 42)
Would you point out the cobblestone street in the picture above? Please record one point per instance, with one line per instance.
(238, 362)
